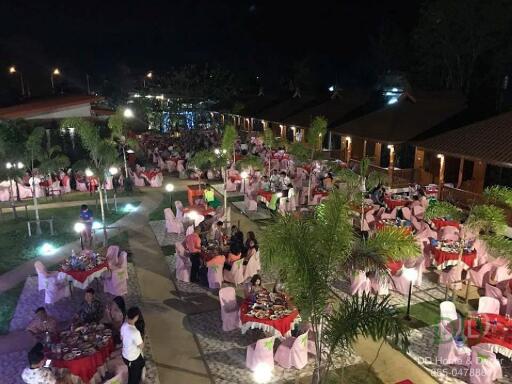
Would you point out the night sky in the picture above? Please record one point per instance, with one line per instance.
(97, 37)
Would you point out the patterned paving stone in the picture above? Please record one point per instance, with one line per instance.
(162, 237)
(224, 352)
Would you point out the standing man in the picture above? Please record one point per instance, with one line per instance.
(86, 217)
(193, 247)
(133, 344)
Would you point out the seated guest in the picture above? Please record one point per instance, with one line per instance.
(36, 373)
(115, 313)
(217, 233)
(284, 180)
(415, 202)
(216, 260)
(235, 253)
(265, 184)
(254, 286)
(42, 323)
(237, 237)
(91, 310)
(251, 239)
(327, 182)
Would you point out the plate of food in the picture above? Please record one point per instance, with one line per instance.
(277, 307)
(261, 315)
(69, 356)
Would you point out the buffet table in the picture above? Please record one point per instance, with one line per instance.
(497, 332)
(443, 259)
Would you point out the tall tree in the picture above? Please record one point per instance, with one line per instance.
(119, 130)
(454, 38)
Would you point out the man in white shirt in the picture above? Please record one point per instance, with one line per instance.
(132, 346)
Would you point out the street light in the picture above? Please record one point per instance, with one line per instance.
(13, 71)
(149, 75)
(89, 173)
(14, 165)
(244, 175)
(410, 275)
(169, 188)
(114, 171)
(55, 72)
(79, 228)
(128, 113)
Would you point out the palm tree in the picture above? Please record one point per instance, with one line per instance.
(203, 160)
(102, 153)
(119, 130)
(310, 253)
(307, 152)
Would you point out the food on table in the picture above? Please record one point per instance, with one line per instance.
(265, 305)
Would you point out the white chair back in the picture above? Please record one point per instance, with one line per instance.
(488, 305)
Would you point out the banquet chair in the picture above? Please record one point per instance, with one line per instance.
(501, 273)
(230, 186)
(252, 267)
(449, 233)
(485, 367)
(452, 277)
(183, 263)
(260, 354)
(448, 352)
(480, 275)
(190, 230)
(236, 275)
(55, 290)
(406, 213)
(359, 283)
(156, 182)
(81, 186)
(215, 276)
(251, 205)
(113, 254)
(389, 216)
(488, 305)
(491, 291)
(172, 224)
(42, 275)
(25, 192)
(117, 367)
(448, 311)
(210, 175)
(108, 184)
(229, 309)
(481, 251)
(380, 284)
(137, 181)
(161, 164)
(66, 185)
(179, 209)
(293, 352)
(418, 211)
(117, 283)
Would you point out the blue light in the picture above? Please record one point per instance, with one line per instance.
(393, 100)
(129, 208)
(394, 89)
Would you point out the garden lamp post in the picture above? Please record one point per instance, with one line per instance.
(14, 71)
(79, 228)
(11, 168)
(170, 188)
(55, 72)
(114, 171)
(244, 175)
(148, 76)
(410, 275)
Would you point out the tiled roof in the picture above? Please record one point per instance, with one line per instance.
(406, 119)
(38, 107)
(487, 140)
(280, 111)
(335, 110)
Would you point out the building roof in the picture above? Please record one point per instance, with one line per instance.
(280, 111)
(335, 110)
(488, 140)
(38, 107)
(406, 119)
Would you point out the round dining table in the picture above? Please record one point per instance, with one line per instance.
(440, 223)
(395, 203)
(496, 331)
(279, 327)
(89, 369)
(443, 259)
(82, 279)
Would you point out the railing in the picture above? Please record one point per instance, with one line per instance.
(400, 178)
(461, 197)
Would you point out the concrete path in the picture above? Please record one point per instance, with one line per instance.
(174, 348)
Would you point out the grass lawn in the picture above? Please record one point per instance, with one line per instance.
(158, 212)
(8, 302)
(16, 247)
(423, 314)
(354, 374)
